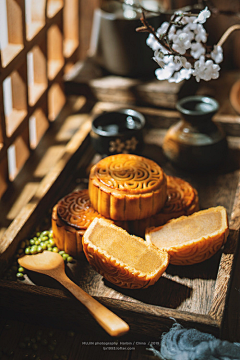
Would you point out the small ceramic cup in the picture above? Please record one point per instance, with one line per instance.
(115, 132)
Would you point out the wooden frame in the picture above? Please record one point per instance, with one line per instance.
(34, 36)
(196, 298)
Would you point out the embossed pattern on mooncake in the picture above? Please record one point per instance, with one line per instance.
(76, 209)
(182, 199)
(71, 216)
(127, 187)
(129, 173)
(70, 219)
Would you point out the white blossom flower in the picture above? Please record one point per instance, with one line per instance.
(197, 50)
(181, 42)
(163, 28)
(191, 25)
(205, 70)
(203, 16)
(164, 73)
(186, 36)
(186, 73)
(152, 42)
(159, 57)
(200, 33)
(217, 54)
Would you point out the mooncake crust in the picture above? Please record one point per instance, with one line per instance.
(182, 199)
(127, 187)
(196, 250)
(116, 271)
(71, 216)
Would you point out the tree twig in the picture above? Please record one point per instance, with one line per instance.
(227, 33)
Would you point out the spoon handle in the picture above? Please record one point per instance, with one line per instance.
(110, 322)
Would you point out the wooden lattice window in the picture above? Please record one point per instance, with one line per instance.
(37, 44)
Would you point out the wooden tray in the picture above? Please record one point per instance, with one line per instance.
(196, 296)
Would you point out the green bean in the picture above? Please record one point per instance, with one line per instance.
(45, 232)
(39, 249)
(28, 251)
(20, 275)
(32, 241)
(65, 256)
(52, 242)
(33, 249)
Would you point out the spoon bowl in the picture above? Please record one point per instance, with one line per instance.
(43, 263)
(52, 264)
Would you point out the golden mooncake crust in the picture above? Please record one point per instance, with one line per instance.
(182, 199)
(70, 219)
(197, 249)
(127, 187)
(116, 271)
(76, 210)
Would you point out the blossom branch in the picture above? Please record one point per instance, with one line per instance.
(180, 46)
(227, 33)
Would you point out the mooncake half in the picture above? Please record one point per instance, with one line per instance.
(127, 187)
(194, 238)
(125, 260)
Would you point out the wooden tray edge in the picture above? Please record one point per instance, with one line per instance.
(226, 265)
(148, 320)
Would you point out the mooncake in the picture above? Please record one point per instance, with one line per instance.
(194, 238)
(123, 259)
(182, 199)
(127, 187)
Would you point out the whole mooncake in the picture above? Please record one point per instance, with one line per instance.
(127, 187)
(70, 219)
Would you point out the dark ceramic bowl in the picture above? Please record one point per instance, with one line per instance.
(116, 132)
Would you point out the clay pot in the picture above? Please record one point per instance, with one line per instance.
(196, 142)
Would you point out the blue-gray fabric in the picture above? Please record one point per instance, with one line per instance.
(190, 344)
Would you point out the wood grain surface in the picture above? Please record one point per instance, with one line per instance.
(196, 295)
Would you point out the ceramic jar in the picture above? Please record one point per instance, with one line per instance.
(196, 142)
(116, 46)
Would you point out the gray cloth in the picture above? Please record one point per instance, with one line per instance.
(190, 344)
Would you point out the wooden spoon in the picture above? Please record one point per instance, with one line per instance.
(52, 264)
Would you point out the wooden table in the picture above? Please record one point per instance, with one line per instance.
(64, 337)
